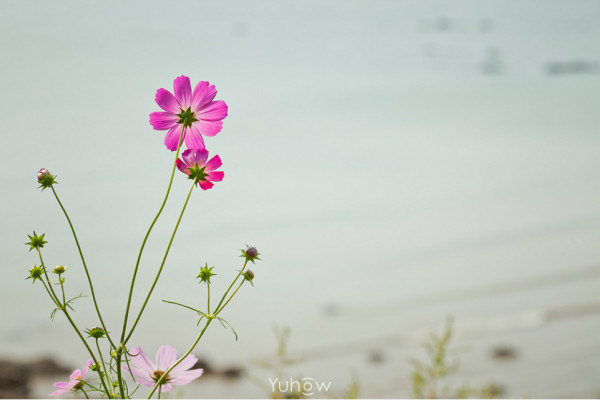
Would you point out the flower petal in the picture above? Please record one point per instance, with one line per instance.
(183, 91)
(167, 387)
(63, 387)
(203, 93)
(205, 185)
(141, 377)
(193, 157)
(193, 138)
(163, 120)
(182, 166)
(184, 365)
(172, 137)
(88, 364)
(213, 111)
(141, 360)
(216, 176)
(167, 101)
(185, 377)
(165, 357)
(214, 163)
(75, 375)
(208, 128)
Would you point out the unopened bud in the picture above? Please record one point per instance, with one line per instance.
(59, 269)
(249, 275)
(250, 254)
(43, 173)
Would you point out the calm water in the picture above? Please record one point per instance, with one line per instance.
(394, 161)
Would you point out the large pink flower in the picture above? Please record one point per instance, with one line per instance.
(147, 373)
(74, 381)
(194, 163)
(196, 111)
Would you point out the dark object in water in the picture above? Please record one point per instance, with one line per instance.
(572, 67)
(14, 380)
(232, 373)
(376, 357)
(504, 353)
(202, 363)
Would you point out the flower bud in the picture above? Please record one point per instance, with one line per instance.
(96, 332)
(35, 273)
(94, 367)
(35, 241)
(250, 254)
(43, 173)
(205, 274)
(59, 269)
(45, 178)
(249, 275)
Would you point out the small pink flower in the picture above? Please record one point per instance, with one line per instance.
(74, 381)
(147, 373)
(194, 164)
(196, 111)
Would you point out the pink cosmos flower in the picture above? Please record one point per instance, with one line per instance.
(147, 373)
(196, 111)
(74, 381)
(194, 164)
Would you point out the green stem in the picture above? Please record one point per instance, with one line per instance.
(64, 310)
(218, 310)
(50, 294)
(162, 264)
(137, 263)
(62, 288)
(87, 273)
(102, 360)
(86, 395)
(119, 375)
(193, 346)
(232, 283)
(161, 379)
(208, 300)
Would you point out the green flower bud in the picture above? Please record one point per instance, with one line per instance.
(94, 367)
(96, 332)
(35, 241)
(35, 273)
(205, 274)
(59, 269)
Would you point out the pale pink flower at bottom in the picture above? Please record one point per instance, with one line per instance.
(148, 373)
(74, 381)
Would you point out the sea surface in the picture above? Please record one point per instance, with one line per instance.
(395, 163)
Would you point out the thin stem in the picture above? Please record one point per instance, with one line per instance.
(160, 380)
(50, 294)
(193, 346)
(137, 263)
(87, 273)
(208, 300)
(86, 395)
(159, 391)
(63, 308)
(119, 375)
(102, 360)
(62, 288)
(162, 264)
(231, 297)
(232, 283)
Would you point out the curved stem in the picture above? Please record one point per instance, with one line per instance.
(139, 257)
(193, 346)
(162, 264)
(87, 273)
(187, 353)
(64, 310)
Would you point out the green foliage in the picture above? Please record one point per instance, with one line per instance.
(426, 377)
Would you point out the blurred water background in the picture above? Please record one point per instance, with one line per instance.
(395, 162)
